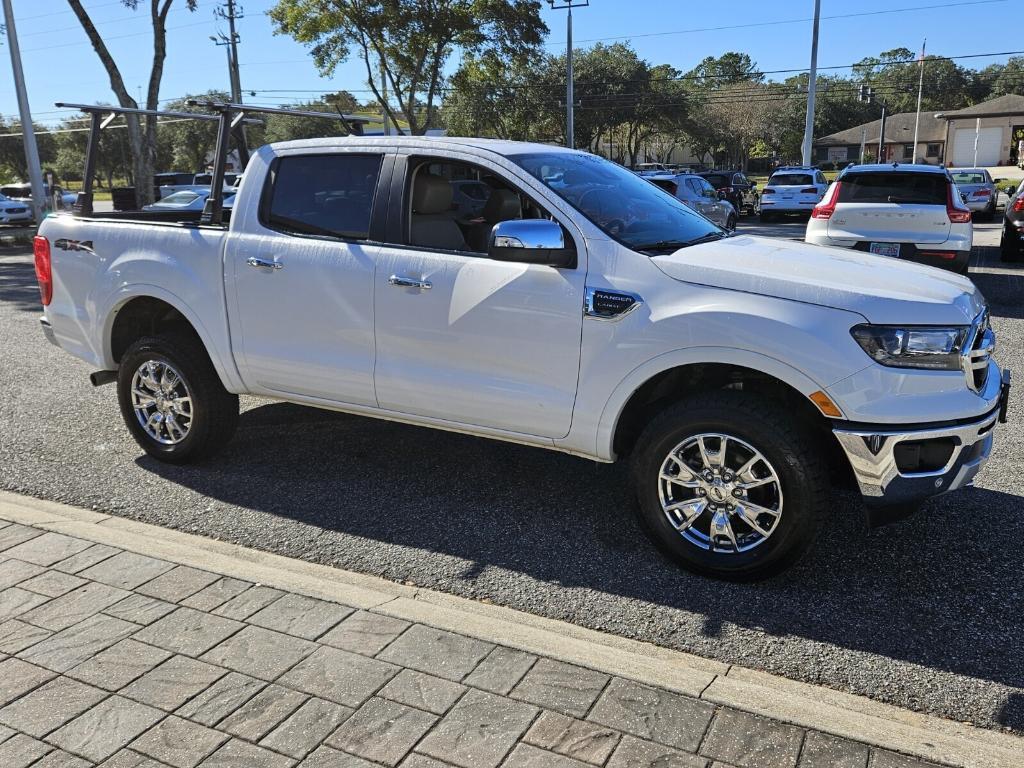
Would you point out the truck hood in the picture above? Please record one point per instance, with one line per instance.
(883, 290)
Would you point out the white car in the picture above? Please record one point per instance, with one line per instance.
(792, 190)
(911, 212)
(14, 211)
(591, 314)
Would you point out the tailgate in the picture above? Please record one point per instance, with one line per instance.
(889, 222)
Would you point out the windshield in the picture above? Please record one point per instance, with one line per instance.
(893, 187)
(180, 198)
(969, 178)
(791, 180)
(624, 206)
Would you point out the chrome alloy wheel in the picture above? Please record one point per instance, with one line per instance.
(162, 402)
(720, 493)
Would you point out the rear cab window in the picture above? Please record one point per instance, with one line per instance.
(894, 187)
(328, 195)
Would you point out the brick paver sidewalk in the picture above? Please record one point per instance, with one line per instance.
(112, 658)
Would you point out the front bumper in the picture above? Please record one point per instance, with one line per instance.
(873, 457)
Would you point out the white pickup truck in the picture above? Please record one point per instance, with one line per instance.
(584, 310)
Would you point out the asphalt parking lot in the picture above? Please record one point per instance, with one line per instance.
(926, 614)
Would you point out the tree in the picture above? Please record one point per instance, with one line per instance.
(725, 70)
(190, 142)
(12, 150)
(1005, 78)
(894, 75)
(404, 44)
(491, 96)
(142, 134)
(288, 127)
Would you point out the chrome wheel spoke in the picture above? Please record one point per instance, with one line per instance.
(712, 459)
(756, 482)
(690, 511)
(749, 516)
(162, 402)
(721, 528)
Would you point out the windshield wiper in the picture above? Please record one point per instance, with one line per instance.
(664, 245)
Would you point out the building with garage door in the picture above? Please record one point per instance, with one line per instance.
(987, 134)
(844, 147)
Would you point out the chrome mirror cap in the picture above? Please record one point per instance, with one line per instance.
(527, 233)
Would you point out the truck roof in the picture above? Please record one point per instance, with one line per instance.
(497, 146)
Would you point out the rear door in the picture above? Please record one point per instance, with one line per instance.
(299, 277)
(891, 207)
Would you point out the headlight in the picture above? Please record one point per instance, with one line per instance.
(923, 347)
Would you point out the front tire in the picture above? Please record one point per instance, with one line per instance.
(172, 399)
(728, 486)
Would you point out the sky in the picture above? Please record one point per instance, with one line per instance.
(60, 64)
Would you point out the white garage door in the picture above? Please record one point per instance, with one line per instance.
(990, 141)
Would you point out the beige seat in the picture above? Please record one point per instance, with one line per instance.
(502, 205)
(433, 220)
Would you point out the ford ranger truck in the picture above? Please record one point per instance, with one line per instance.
(582, 310)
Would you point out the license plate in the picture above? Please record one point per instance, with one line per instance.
(885, 249)
(787, 197)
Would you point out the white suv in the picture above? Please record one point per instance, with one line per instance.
(911, 212)
(792, 190)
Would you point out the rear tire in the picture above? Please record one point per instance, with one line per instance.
(1008, 250)
(711, 536)
(172, 399)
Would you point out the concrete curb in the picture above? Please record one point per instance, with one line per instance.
(823, 709)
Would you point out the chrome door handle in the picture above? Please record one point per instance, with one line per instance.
(409, 282)
(252, 261)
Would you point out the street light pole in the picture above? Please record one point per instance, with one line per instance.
(35, 172)
(570, 105)
(812, 87)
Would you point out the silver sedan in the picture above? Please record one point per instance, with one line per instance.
(698, 193)
(977, 189)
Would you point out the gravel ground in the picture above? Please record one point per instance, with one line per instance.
(926, 614)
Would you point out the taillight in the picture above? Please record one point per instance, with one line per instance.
(767, 191)
(1018, 205)
(44, 270)
(955, 209)
(827, 206)
(727, 190)
(809, 191)
(983, 192)
(948, 255)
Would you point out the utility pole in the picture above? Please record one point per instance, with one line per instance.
(570, 105)
(812, 87)
(35, 172)
(230, 15)
(920, 91)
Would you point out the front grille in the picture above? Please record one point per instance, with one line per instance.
(16, 210)
(981, 342)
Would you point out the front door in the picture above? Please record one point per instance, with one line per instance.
(471, 340)
(300, 280)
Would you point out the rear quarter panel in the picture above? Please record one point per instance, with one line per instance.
(178, 264)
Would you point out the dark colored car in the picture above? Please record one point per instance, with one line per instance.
(735, 187)
(1011, 244)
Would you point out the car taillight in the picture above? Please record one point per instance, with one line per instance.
(727, 190)
(955, 209)
(827, 206)
(767, 191)
(44, 270)
(809, 191)
(1018, 205)
(983, 192)
(948, 255)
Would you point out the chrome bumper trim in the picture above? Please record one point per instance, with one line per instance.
(871, 454)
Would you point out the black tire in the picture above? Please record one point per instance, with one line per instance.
(214, 411)
(1009, 251)
(766, 426)
(766, 216)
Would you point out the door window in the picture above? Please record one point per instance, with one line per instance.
(697, 186)
(435, 218)
(330, 195)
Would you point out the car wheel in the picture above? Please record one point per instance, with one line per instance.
(172, 399)
(728, 486)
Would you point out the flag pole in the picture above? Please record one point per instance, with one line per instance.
(920, 90)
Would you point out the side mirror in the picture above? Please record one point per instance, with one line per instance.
(531, 241)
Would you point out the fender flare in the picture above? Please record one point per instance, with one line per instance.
(222, 359)
(616, 403)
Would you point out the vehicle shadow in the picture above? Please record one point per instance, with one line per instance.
(1002, 289)
(923, 591)
(18, 286)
